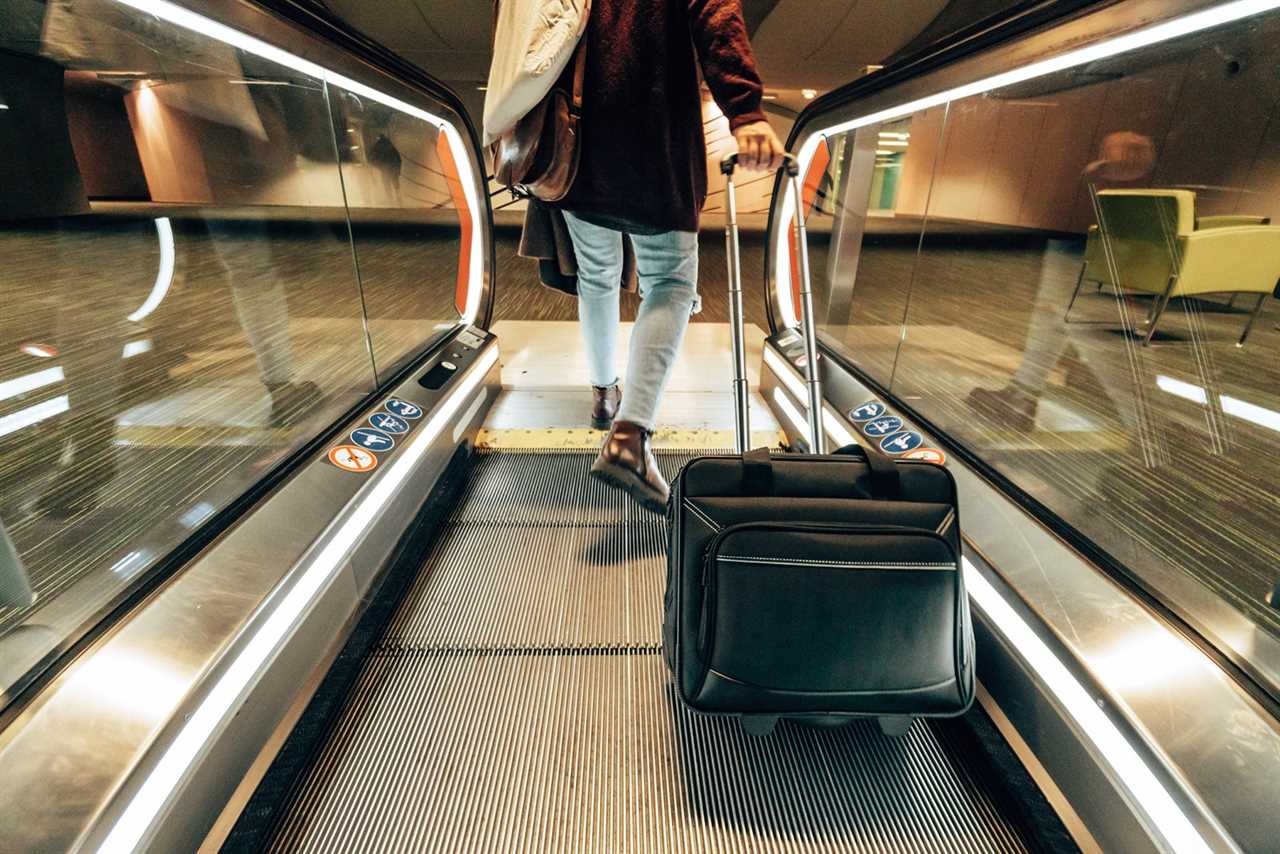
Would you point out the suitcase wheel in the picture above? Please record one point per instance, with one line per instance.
(895, 726)
(757, 725)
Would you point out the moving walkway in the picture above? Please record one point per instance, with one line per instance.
(454, 642)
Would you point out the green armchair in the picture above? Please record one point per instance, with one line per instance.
(1158, 246)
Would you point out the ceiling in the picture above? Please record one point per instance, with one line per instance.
(799, 44)
(822, 44)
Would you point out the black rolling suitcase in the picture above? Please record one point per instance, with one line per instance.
(814, 586)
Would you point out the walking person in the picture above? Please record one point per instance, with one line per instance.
(643, 173)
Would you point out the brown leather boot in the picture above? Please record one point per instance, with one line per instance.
(626, 461)
(604, 405)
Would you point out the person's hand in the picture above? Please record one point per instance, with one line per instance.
(1124, 156)
(759, 148)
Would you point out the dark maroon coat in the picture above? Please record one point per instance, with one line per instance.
(644, 162)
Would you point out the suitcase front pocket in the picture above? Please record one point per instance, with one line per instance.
(831, 610)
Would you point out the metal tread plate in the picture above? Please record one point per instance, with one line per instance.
(557, 752)
(494, 586)
(552, 488)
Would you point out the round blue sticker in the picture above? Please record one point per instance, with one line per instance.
(403, 408)
(900, 443)
(373, 440)
(867, 411)
(883, 425)
(389, 423)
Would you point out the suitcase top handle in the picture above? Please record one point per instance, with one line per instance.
(789, 163)
(757, 472)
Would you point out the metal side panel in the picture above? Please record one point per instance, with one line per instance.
(1170, 748)
(141, 742)
(519, 701)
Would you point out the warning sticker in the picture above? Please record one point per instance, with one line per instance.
(867, 411)
(403, 408)
(902, 442)
(929, 455)
(372, 440)
(388, 423)
(353, 458)
(883, 426)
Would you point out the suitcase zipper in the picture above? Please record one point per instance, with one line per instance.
(709, 574)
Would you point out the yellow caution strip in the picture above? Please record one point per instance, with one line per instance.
(506, 438)
(574, 438)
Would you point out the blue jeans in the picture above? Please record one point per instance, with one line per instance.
(668, 270)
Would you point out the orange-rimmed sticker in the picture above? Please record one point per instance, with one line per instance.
(929, 455)
(353, 458)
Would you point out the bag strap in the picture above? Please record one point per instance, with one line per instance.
(885, 478)
(579, 75)
(757, 472)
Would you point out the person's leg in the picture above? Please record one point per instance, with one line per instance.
(1017, 402)
(599, 255)
(1047, 331)
(668, 271)
(92, 329)
(261, 305)
(668, 268)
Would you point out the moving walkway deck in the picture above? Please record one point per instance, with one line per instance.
(518, 701)
(214, 635)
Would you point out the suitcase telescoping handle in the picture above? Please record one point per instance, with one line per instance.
(742, 426)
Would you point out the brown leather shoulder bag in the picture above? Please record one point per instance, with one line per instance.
(539, 156)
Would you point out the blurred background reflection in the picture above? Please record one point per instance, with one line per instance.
(1073, 277)
(208, 258)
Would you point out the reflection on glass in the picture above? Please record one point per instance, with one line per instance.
(182, 308)
(1090, 309)
(408, 212)
(866, 234)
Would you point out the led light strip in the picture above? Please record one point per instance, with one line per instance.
(228, 693)
(187, 19)
(1146, 37)
(1259, 415)
(34, 414)
(794, 415)
(1165, 817)
(1182, 389)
